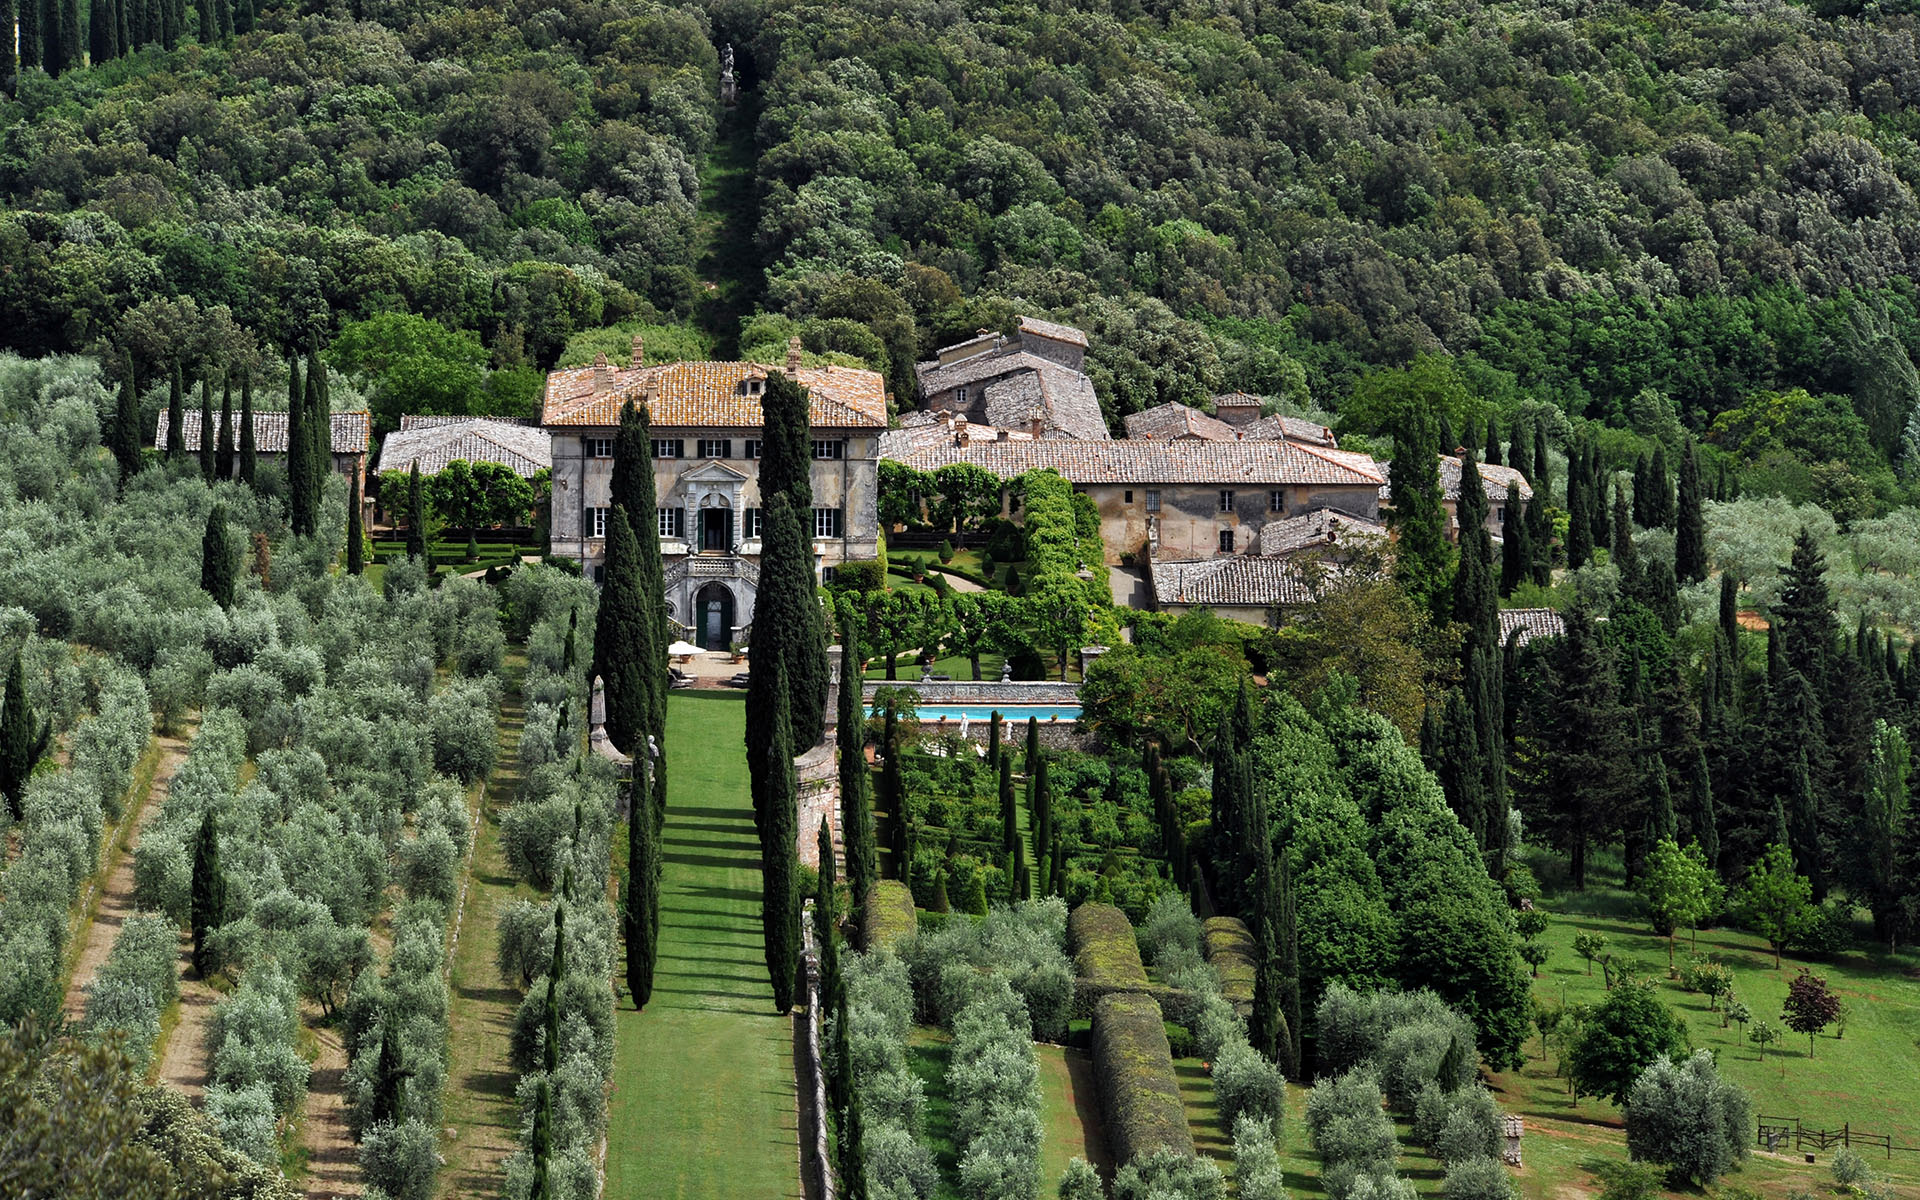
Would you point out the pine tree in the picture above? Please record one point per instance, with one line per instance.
(177, 415)
(249, 449)
(21, 745)
(417, 516)
(356, 533)
(126, 422)
(209, 899)
(1419, 518)
(206, 429)
(299, 462)
(856, 804)
(1808, 629)
(631, 489)
(1516, 546)
(1493, 441)
(1690, 529)
(642, 918)
(217, 568)
(1587, 744)
(1520, 450)
(223, 461)
(779, 865)
(620, 641)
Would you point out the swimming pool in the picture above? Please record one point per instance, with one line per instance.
(983, 713)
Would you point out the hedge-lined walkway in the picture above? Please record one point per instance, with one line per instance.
(703, 1086)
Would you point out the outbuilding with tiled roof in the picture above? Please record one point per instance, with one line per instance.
(433, 442)
(348, 435)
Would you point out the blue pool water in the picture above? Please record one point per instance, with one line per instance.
(930, 713)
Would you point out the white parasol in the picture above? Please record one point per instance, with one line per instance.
(682, 649)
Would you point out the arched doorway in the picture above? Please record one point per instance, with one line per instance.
(713, 616)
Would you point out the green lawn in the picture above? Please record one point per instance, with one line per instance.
(929, 1050)
(1069, 1114)
(703, 1089)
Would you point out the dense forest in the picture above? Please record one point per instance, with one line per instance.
(1666, 219)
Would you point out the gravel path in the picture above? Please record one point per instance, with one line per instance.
(333, 1160)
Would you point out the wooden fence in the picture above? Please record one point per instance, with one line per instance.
(1773, 1133)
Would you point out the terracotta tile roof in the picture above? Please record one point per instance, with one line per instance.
(1522, 625)
(434, 442)
(1234, 580)
(1053, 332)
(690, 394)
(1238, 400)
(1319, 528)
(350, 430)
(1174, 420)
(921, 429)
(1293, 429)
(1129, 461)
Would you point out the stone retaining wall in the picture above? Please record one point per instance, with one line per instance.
(817, 795)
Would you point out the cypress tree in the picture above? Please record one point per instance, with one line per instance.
(642, 918)
(20, 744)
(216, 559)
(126, 422)
(209, 21)
(1042, 804)
(786, 466)
(1624, 556)
(389, 1102)
(299, 462)
(779, 864)
(319, 425)
(1579, 517)
(1493, 441)
(779, 615)
(417, 516)
(555, 973)
(1645, 510)
(72, 37)
(1659, 479)
(1516, 547)
(993, 739)
(1730, 611)
(1033, 744)
(249, 449)
(1266, 1026)
(1448, 443)
(1009, 814)
(1701, 810)
(856, 804)
(1292, 1062)
(209, 898)
(356, 534)
(542, 1145)
(620, 640)
(206, 429)
(1520, 450)
(1537, 512)
(632, 489)
(1419, 518)
(223, 461)
(100, 29)
(1458, 765)
(31, 33)
(1597, 513)
(176, 415)
(567, 653)
(1690, 531)
(1482, 753)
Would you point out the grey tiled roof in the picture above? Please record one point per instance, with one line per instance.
(921, 429)
(1522, 625)
(350, 431)
(1321, 527)
(1232, 580)
(1058, 333)
(1065, 399)
(1175, 420)
(1294, 429)
(435, 442)
(1238, 400)
(1493, 480)
(1128, 461)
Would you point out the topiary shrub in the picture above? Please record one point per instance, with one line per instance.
(1104, 949)
(1139, 1092)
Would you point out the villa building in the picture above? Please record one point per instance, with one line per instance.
(706, 419)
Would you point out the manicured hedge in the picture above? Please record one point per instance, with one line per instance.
(1139, 1093)
(890, 918)
(1104, 950)
(1230, 949)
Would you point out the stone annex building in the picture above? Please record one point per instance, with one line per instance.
(706, 449)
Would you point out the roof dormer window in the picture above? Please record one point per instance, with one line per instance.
(752, 387)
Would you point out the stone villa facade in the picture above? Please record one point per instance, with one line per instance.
(706, 419)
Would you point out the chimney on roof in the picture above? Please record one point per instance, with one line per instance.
(639, 352)
(962, 430)
(793, 355)
(602, 375)
(1036, 423)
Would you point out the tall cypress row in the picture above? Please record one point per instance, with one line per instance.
(249, 448)
(30, 33)
(126, 422)
(102, 28)
(642, 920)
(779, 857)
(1516, 546)
(856, 804)
(620, 642)
(1418, 517)
(786, 468)
(632, 489)
(223, 461)
(177, 415)
(1520, 450)
(207, 438)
